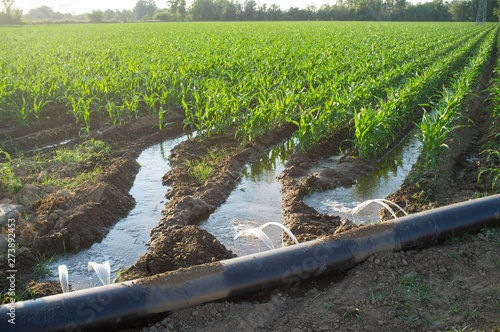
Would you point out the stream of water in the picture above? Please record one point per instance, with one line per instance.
(391, 171)
(255, 201)
(126, 241)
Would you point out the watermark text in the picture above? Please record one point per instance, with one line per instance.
(11, 271)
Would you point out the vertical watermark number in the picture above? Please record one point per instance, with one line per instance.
(11, 271)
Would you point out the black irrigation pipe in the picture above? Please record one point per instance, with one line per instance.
(136, 302)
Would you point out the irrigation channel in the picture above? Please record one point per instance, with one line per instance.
(392, 169)
(255, 201)
(126, 241)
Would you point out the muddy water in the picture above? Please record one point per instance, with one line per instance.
(255, 201)
(392, 170)
(126, 241)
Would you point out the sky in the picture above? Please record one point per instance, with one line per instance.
(80, 7)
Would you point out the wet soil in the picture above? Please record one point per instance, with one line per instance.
(63, 220)
(455, 177)
(190, 199)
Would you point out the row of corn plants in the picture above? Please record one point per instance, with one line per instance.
(491, 150)
(448, 112)
(250, 76)
(377, 126)
(322, 121)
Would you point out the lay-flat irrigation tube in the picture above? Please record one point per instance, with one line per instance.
(129, 303)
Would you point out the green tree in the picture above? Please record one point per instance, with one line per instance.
(44, 13)
(274, 12)
(226, 10)
(203, 10)
(151, 8)
(10, 15)
(110, 14)
(260, 15)
(7, 5)
(459, 10)
(249, 11)
(496, 11)
(311, 12)
(173, 6)
(399, 12)
(96, 16)
(182, 7)
(125, 15)
(144, 8)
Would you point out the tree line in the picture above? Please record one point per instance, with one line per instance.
(233, 10)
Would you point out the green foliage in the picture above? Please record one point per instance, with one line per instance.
(27, 294)
(493, 164)
(96, 16)
(436, 127)
(10, 15)
(414, 293)
(84, 152)
(42, 265)
(200, 170)
(74, 182)
(167, 17)
(7, 176)
(492, 149)
(376, 127)
(250, 77)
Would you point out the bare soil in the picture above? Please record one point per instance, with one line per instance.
(452, 286)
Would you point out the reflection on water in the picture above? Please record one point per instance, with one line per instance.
(126, 241)
(267, 162)
(255, 201)
(392, 170)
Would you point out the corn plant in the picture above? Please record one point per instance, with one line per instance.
(319, 75)
(375, 129)
(445, 114)
(493, 164)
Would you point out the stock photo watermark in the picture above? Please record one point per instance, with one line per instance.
(11, 271)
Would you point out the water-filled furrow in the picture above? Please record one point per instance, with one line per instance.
(391, 171)
(48, 146)
(126, 241)
(255, 201)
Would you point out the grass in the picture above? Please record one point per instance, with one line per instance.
(492, 152)
(84, 152)
(471, 311)
(492, 234)
(27, 294)
(352, 312)
(414, 293)
(454, 254)
(42, 265)
(231, 315)
(454, 239)
(70, 183)
(377, 294)
(89, 151)
(8, 178)
(201, 169)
